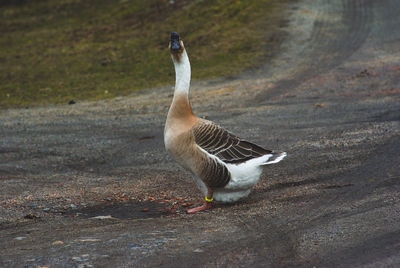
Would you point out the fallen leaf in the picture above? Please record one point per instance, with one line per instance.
(187, 204)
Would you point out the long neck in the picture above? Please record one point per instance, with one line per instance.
(180, 104)
(182, 71)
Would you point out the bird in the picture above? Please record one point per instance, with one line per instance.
(224, 166)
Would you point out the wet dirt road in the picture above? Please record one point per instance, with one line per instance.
(90, 185)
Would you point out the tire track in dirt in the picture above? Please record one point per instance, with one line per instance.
(338, 31)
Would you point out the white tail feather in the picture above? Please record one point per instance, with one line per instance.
(276, 157)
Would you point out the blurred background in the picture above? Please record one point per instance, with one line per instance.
(58, 51)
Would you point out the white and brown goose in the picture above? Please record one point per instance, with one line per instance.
(225, 167)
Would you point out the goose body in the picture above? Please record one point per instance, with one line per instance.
(225, 167)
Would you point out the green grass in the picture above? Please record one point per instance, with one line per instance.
(55, 51)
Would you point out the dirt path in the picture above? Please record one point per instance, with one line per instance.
(90, 185)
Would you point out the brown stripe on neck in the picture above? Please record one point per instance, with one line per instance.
(181, 107)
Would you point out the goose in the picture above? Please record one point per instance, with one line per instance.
(224, 166)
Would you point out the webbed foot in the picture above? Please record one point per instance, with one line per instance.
(206, 205)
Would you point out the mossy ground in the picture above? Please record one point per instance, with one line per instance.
(55, 51)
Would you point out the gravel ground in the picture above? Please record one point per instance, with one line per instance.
(90, 184)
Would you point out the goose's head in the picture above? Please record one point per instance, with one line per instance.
(176, 46)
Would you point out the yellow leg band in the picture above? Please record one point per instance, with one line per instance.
(209, 200)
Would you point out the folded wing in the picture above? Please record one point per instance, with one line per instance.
(225, 145)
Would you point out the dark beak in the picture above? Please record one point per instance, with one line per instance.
(175, 42)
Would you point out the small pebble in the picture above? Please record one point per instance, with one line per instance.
(89, 240)
(103, 217)
(133, 246)
(84, 265)
(76, 259)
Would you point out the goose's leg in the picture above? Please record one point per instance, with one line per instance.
(206, 203)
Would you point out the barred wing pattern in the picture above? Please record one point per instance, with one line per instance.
(226, 146)
(215, 174)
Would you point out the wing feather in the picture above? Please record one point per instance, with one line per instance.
(215, 174)
(225, 145)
